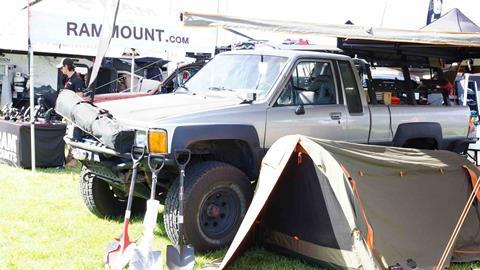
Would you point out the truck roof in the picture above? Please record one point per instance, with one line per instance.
(291, 54)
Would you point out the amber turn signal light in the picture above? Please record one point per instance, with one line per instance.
(157, 141)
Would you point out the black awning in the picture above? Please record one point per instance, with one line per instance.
(392, 53)
(389, 53)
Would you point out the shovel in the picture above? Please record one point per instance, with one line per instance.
(181, 256)
(145, 258)
(120, 251)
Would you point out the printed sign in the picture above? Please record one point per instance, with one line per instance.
(8, 147)
(83, 33)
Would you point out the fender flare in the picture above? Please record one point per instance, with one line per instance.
(184, 136)
(407, 131)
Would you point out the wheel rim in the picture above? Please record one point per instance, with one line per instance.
(220, 213)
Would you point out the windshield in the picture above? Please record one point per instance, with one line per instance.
(239, 73)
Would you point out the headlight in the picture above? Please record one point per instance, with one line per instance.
(157, 141)
(140, 138)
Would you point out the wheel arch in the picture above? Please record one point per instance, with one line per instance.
(237, 145)
(418, 133)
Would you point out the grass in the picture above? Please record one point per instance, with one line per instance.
(44, 225)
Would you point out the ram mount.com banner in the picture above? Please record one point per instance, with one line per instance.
(81, 35)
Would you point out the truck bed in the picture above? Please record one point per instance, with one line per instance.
(453, 119)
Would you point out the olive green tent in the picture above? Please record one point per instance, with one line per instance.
(353, 206)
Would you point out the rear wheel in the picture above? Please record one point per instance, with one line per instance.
(216, 196)
(99, 198)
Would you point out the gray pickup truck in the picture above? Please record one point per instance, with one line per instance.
(229, 114)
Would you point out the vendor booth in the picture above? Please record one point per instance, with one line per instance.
(43, 28)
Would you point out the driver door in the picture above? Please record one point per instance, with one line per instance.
(310, 104)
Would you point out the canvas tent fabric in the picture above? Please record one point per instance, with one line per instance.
(349, 206)
(453, 21)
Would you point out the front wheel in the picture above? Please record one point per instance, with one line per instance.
(100, 199)
(216, 197)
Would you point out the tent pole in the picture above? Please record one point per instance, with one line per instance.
(32, 95)
(459, 224)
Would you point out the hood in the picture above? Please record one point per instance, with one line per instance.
(143, 111)
(114, 96)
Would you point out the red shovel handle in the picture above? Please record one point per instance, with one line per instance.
(125, 239)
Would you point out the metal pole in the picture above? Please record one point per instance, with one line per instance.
(132, 75)
(383, 13)
(465, 88)
(216, 33)
(32, 96)
(32, 113)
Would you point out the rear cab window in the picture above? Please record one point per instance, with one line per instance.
(352, 93)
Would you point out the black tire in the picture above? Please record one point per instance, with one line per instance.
(203, 181)
(100, 199)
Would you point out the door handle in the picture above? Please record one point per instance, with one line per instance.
(336, 115)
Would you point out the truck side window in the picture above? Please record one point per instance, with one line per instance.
(311, 83)
(352, 94)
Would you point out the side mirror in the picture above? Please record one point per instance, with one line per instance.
(182, 77)
(300, 110)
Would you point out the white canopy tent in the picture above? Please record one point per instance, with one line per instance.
(141, 24)
(68, 27)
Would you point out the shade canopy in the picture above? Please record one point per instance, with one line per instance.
(394, 53)
(388, 46)
(334, 30)
(453, 21)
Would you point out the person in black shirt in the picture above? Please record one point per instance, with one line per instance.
(73, 81)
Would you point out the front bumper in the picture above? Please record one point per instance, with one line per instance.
(93, 147)
(89, 150)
